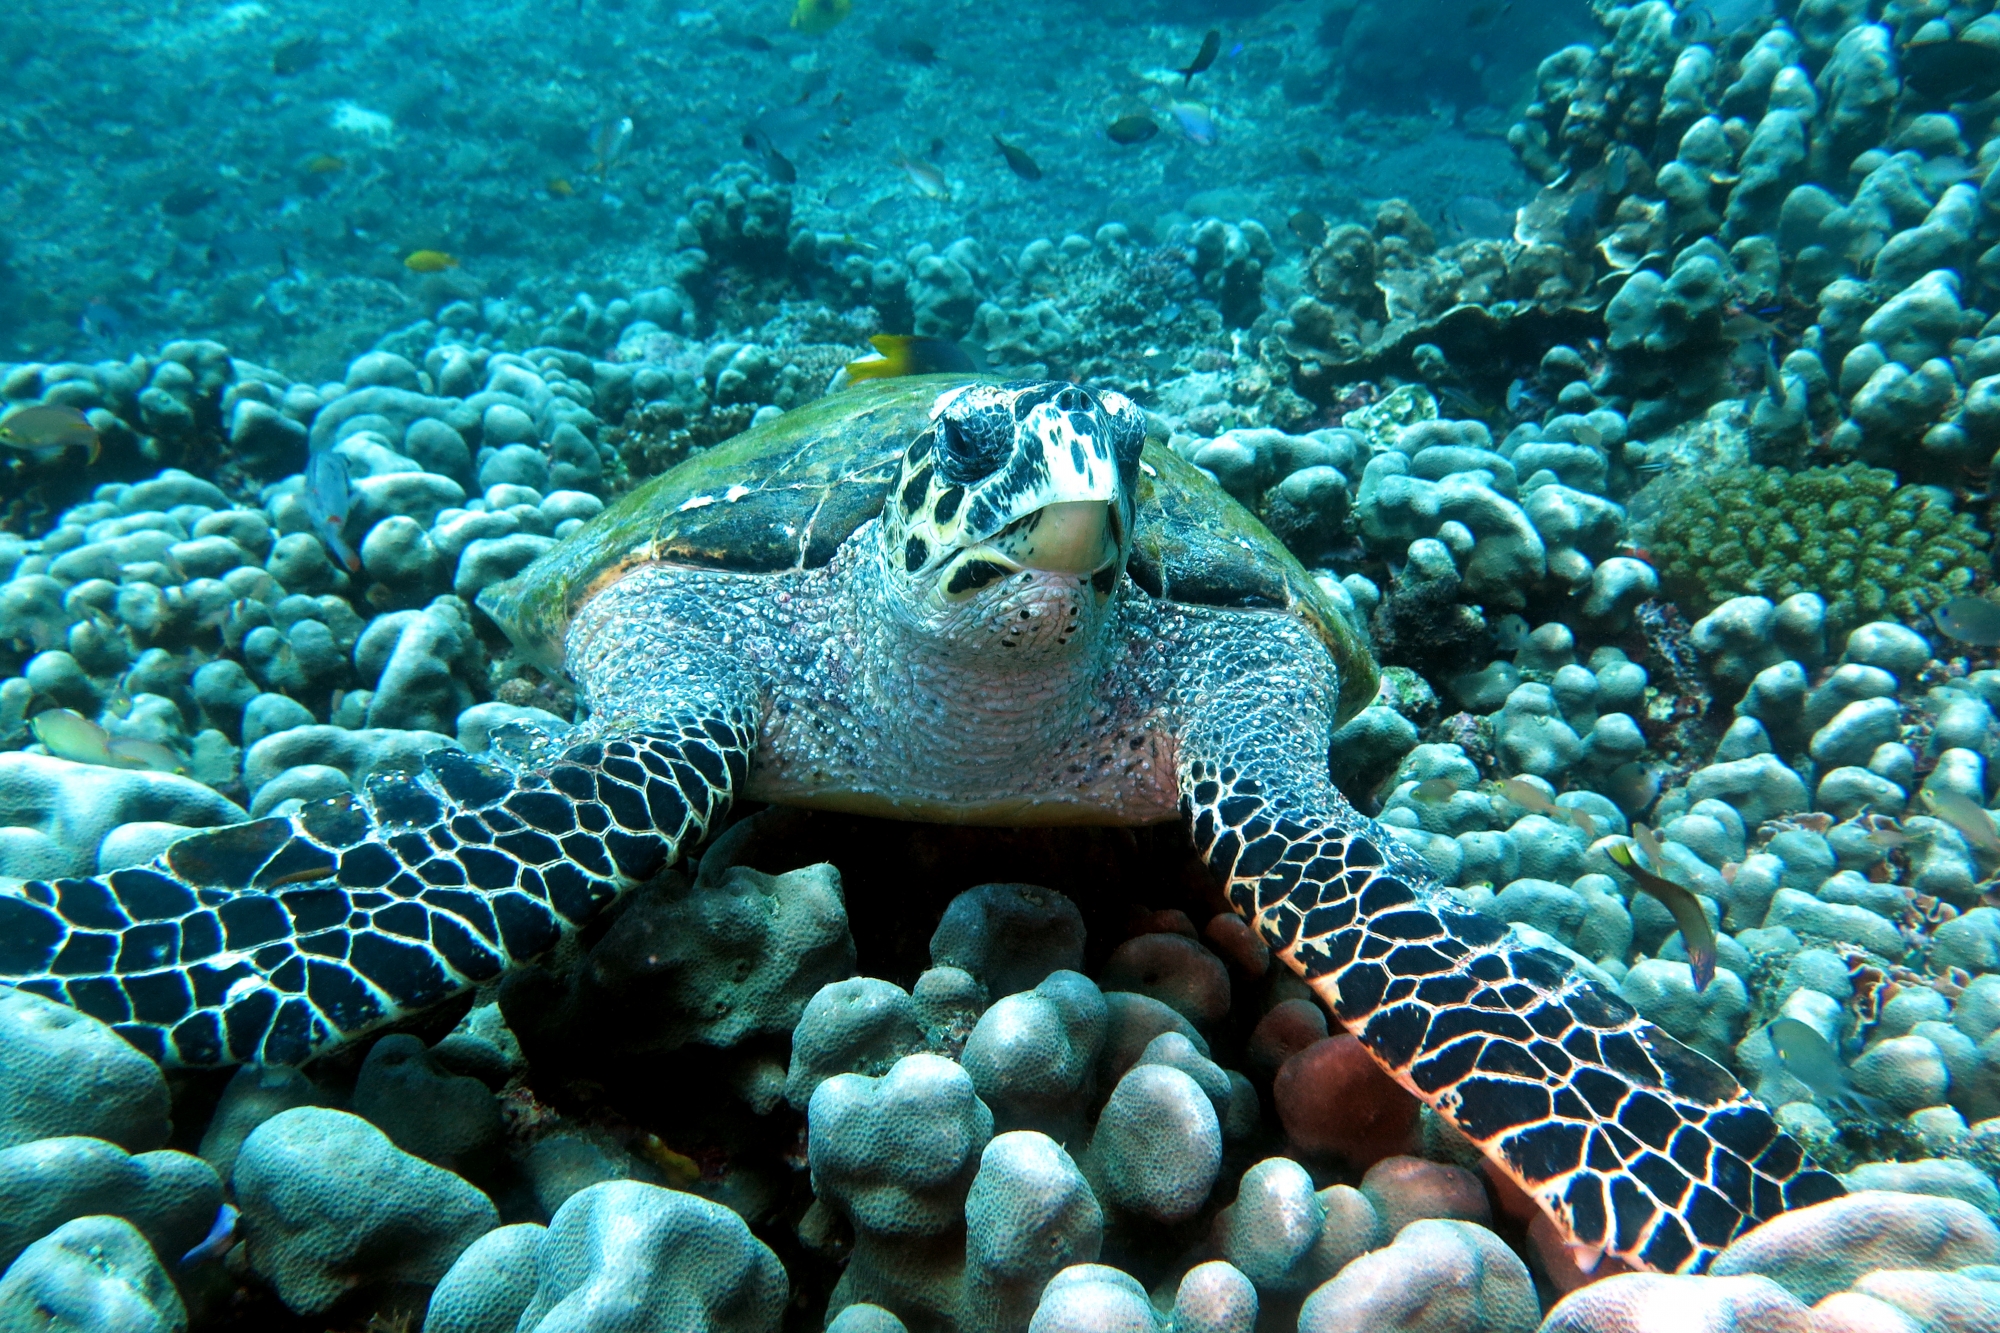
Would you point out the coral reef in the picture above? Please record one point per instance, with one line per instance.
(677, 1261)
(1002, 1148)
(1848, 535)
(1644, 492)
(1079, 1102)
(93, 1272)
(329, 1201)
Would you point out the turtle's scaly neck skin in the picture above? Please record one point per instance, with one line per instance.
(862, 716)
(1019, 666)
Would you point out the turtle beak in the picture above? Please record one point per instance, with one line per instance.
(1070, 537)
(1078, 539)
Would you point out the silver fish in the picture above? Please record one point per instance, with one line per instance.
(608, 143)
(1702, 19)
(1693, 24)
(49, 428)
(1808, 1058)
(1974, 620)
(328, 497)
(1195, 122)
(1475, 217)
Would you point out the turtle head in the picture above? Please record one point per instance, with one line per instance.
(1012, 516)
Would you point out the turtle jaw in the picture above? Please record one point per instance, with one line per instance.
(1081, 538)
(1017, 616)
(1038, 590)
(1071, 537)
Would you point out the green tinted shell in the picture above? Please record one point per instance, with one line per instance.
(1193, 543)
(787, 494)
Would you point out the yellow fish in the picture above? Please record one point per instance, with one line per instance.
(1696, 934)
(49, 426)
(325, 164)
(817, 17)
(429, 261)
(906, 354)
(679, 1168)
(560, 187)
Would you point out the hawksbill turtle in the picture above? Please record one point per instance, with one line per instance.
(930, 599)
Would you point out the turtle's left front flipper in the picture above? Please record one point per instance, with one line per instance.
(275, 940)
(1632, 1143)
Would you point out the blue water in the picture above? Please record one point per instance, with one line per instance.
(257, 172)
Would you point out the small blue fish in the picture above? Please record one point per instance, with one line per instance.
(220, 1237)
(328, 496)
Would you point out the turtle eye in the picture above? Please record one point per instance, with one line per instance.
(968, 451)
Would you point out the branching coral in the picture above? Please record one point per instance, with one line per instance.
(1849, 534)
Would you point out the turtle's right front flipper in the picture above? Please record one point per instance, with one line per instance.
(276, 940)
(1631, 1143)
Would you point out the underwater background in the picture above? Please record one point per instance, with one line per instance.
(1628, 375)
(260, 173)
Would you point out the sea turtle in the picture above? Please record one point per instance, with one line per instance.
(946, 600)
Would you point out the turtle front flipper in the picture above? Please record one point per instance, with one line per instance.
(1633, 1144)
(276, 940)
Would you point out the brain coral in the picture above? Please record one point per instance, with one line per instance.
(1867, 546)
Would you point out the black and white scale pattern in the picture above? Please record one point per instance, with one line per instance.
(1637, 1145)
(276, 940)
